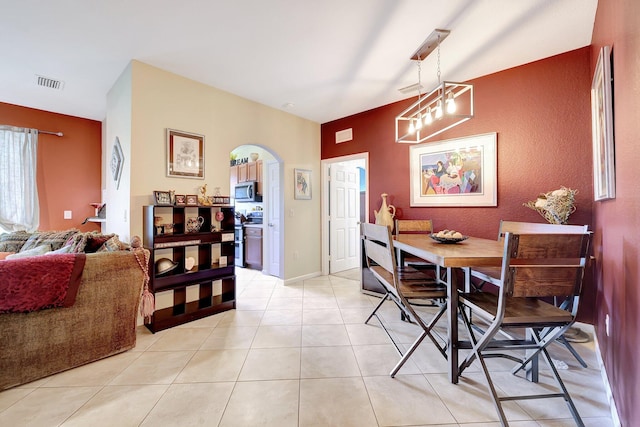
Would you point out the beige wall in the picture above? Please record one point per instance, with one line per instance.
(161, 100)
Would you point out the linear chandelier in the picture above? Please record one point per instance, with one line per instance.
(447, 105)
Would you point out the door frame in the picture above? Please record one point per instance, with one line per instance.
(324, 204)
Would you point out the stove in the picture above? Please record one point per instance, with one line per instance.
(254, 217)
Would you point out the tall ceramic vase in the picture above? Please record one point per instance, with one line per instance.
(386, 213)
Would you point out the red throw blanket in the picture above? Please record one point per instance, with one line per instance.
(39, 282)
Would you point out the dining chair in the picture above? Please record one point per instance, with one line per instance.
(492, 274)
(415, 226)
(535, 267)
(401, 287)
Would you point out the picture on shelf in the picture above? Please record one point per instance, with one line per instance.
(191, 200)
(180, 199)
(162, 198)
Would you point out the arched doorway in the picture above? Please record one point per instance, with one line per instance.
(262, 165)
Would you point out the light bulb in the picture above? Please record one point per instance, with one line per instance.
(451, 104)
(412, 129)
(419, 122)
(428, 119)
(439, 109)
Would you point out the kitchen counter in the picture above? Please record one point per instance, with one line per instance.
(252, 225)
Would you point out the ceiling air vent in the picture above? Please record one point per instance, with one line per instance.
(50, 83)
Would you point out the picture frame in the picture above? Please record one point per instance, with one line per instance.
(455, 172)
(185, 154)
(162, 198)
(604, 183)
(181, 200)
(191, 200)
(117, 162)
(302, 184)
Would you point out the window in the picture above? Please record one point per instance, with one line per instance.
(19, 207)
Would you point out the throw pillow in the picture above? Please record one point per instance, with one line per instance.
(112, 245)
(40, 250)
(62, 250)
(13, 242)
(56, 239)
(89, 242)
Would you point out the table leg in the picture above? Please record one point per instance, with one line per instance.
(452, 320)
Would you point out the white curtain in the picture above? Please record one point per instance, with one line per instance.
(19, 207)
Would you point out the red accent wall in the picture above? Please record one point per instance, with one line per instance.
(541, 112)
(69, 167)
(616, 221)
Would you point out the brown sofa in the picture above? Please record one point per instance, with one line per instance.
(101, 323)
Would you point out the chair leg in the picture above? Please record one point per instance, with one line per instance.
(373, 313)
(572, 350)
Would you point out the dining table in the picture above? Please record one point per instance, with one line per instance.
(472, 252)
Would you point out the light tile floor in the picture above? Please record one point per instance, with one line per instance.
(297, 355)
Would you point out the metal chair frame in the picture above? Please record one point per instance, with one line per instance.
(534, 266)
(401, 287)
(489, 276)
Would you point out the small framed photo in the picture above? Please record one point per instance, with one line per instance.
(181, 200)
(302, 184)
(191, 200)
(163, 198)
(185, 154)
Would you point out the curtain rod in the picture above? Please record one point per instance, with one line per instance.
(51, 133)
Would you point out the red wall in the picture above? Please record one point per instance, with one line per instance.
(542, 115)
(616, 221)
(69, 167)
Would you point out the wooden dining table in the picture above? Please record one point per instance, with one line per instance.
(472, 252)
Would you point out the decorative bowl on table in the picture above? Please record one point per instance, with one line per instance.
(448, 236)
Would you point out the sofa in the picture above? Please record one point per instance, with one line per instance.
(100, 322)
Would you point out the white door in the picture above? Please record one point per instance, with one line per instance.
(272, 236)
(344, 218)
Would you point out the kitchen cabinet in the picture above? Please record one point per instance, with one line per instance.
(191, 274)
(253, 246)
(246, 172)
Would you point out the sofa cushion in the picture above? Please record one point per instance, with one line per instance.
(13, 242)
(56, 239)
(39, 250)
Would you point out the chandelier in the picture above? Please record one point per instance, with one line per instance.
(447, 105)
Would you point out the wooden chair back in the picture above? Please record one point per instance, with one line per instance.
(537, 228)
(544, 265)
(378, 246)
(413, 226)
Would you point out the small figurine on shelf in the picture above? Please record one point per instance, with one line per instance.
(203, 200)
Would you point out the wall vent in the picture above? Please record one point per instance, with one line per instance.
(50, 83)
(344, 135)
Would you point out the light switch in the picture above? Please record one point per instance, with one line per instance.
(67, 214)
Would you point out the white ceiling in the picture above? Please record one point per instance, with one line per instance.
(329, 58)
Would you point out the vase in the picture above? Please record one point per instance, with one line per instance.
(386, 213)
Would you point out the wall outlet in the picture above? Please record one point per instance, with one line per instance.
(67, 215)
(606, 324)
(296, 255)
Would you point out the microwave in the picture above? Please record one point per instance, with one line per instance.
(247, 192)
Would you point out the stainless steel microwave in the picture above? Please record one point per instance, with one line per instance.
(247, 192)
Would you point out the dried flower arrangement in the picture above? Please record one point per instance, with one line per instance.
(555, 206)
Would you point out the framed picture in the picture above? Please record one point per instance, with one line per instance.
(191, 200)
(180, 199)
(117, 162)
(185, 154)
(163, 198)
(302, 184)
(455, 172)
(604, 172)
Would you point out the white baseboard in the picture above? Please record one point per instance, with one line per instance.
(295, 280)
(605, 378)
